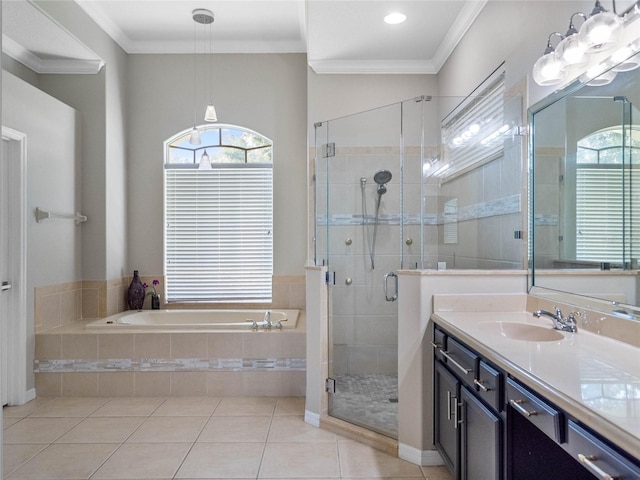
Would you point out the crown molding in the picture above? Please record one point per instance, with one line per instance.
(398, 67)
(49, 65)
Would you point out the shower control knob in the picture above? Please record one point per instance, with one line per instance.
(348, 241)
(348, 281)
(409, 241)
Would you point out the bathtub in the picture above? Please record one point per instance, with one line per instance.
(196, 319)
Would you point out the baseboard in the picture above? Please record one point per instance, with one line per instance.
(29, 395)
(425, 458)
(312, 418)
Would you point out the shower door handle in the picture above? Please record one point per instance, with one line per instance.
(394, 297)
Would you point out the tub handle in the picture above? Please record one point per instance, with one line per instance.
(279, 324)
(254, 324)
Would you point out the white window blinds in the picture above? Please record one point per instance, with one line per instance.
(599, 214)
(474, 133)
(218, 234)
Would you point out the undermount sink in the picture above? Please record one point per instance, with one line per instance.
(522, 331)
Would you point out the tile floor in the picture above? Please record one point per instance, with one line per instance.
(185, 438)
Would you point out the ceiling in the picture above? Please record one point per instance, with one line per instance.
(339, 36)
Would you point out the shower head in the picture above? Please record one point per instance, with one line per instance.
(382, 176)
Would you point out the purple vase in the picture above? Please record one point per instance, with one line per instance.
(135, 294)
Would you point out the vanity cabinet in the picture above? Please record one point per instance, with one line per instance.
(489, 426)
(468, 432)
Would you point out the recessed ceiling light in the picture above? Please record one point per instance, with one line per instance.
(395, 18)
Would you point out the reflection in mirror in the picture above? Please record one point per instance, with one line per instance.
(585, 205)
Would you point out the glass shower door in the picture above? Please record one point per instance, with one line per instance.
(361, 163)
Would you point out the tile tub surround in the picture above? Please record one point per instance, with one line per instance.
(185, 438)
(64, 303)
(73, 361)
(557, 369)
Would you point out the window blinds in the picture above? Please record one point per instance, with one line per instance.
(599, 214)
(219, 238)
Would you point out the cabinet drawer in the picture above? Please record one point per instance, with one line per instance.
(461, 361)
(439, 343)
(536, 410)
(596, 456)
(489, 385)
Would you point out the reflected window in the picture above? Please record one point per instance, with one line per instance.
(607, 164)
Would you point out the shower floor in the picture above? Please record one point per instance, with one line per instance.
(370, 401)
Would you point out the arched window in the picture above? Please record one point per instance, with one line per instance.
(219, 216)
(607, 221)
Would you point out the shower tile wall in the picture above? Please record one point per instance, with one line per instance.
(489, 211)
(547, 194)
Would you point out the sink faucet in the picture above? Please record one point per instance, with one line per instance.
(564, 324)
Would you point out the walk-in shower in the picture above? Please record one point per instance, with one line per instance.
(365, 165)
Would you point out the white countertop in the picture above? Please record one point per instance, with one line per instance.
(593, 378)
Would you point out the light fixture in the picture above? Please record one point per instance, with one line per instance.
(205, 17)
(571, 50)
(605, 44)
(395, 18)
(548, 69)
(601, 31)
(205, 162)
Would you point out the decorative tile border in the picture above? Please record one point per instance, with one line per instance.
(171, 365)
(546, 219)
(491, 208)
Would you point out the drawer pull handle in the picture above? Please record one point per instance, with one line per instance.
(466, 371)
(436, 345)
(480, 385)
(587, 460)
(516, 405)
(449, 405)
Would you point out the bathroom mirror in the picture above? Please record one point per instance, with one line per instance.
(585, 192)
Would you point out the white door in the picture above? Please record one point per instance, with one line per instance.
(13, 316)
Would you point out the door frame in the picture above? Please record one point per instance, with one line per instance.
(17, 393)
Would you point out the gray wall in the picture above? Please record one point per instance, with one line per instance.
(53, 183)
(265, 93)
(104, 179)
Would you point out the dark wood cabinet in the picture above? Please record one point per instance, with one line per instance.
(488, 425)
(447, 438)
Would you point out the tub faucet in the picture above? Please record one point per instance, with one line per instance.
(266, 323)
(564, 324)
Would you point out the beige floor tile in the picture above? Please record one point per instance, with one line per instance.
(290, 406)
(13, 456)
(8, 421)
(28, 408)
(359, 460)
(291, 428)
(168, 429)
(102, 430)
(222, 460)
(300, 460)
(436, 473)
(69, 407)
(236, 429)
(129, 406)
(187, 406)
(143, 461)
(246, 406)
(61, 461)
(38, 430)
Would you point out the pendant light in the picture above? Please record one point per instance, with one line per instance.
(194, 138)
(205, 17)
(205, 162)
